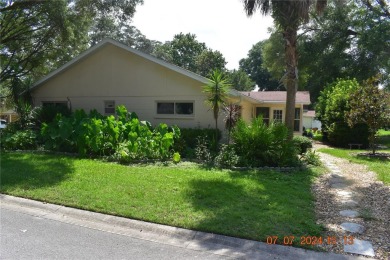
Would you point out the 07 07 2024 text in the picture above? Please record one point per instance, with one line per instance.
(309, 240)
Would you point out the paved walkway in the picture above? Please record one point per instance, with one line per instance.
(194, 240)
(349, 204)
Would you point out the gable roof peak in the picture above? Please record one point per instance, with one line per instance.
(107, 41)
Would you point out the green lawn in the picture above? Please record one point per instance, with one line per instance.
(384, 138)
(380, 166)
(247, 204)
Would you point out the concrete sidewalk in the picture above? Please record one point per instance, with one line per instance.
(182, 238)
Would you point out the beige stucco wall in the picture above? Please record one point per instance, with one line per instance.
(112, 73)
(246, 111)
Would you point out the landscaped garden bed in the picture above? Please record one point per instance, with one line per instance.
(374, 155)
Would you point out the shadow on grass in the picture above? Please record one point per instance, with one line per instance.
(254, 204)
(31, 171)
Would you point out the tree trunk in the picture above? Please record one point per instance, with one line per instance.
(290, 37)
(216, 129)
(372, 142)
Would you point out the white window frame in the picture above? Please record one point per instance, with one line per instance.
(297, 119)
(276, 113)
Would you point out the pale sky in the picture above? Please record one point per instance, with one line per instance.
(221, 24)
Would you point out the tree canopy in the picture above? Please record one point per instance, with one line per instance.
(253, 65)
(368, 105)
(38, 36)
(187, 52)
(349, 40)
(240, 80)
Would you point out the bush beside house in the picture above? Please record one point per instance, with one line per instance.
(259, 144)
(331, 109)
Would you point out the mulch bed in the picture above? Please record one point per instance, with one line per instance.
(376, 155)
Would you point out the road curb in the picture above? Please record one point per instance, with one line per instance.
(195, 240)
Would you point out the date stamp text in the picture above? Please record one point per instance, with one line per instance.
(309, 240)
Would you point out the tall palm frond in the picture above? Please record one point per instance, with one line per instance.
(217, 90)
(251, 6)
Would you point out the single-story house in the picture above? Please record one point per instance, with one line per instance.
(111, 73)
(309, 121)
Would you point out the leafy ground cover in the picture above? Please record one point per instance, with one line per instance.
(247, 204)
(378, 165)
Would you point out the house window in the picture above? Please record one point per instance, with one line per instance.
(184, 108)
(109, 107)
(297, 119)
(175, 108)
(278, 116)
(264, 112)
(165, 108)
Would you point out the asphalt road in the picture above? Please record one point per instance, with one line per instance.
(24, 236)
(36, 230)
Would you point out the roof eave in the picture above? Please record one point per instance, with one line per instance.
(248, 98)
(284, 102)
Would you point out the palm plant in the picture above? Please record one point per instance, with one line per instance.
(233, 113)
(288, 15)
(217, 90)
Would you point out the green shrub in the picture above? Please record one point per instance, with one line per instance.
(317, 135)
(226, 157)
(176, 158)
(202, 150)
(259, 144)
(47, 113)
(126, 136)
(19, 140)
(189, 136)
(331, 109)
(311, 158)
(302, 144)
(340, 134)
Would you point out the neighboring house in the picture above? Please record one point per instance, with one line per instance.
(9, 115)
(309, 120)
(110, 74)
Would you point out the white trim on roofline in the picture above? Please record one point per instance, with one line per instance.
(127, 48)
(237, 93)
(284, 102)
